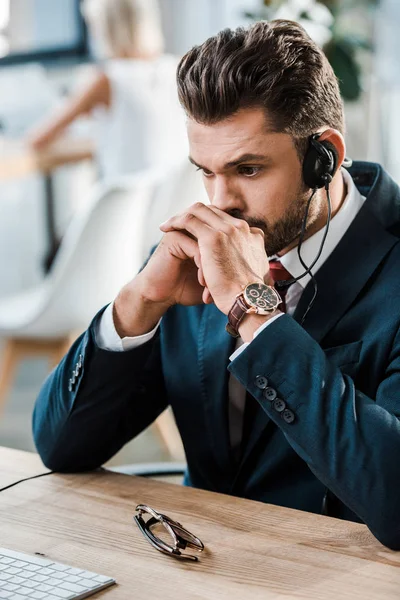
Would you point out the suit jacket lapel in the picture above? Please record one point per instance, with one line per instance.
(345, 273)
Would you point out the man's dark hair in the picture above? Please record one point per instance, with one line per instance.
(272, 65)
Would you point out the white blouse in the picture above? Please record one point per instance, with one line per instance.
(145, 125)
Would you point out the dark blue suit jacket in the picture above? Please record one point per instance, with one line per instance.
(339, 374)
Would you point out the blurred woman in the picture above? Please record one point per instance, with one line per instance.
(132, 97)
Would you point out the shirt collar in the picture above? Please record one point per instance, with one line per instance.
(337, 228)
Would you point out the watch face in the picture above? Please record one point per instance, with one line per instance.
(262, 297)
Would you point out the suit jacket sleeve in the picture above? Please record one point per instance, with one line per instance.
(350, 441)
(95, 401)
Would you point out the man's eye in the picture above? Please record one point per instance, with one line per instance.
(248, 171)
(205, 172)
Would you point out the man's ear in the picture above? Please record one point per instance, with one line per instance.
(335, 139)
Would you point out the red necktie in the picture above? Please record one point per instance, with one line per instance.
(279, 273)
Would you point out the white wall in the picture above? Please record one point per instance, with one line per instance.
(190, 22)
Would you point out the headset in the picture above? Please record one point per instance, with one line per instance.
(319, 167)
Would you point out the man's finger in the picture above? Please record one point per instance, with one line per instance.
(214, 218)
(200, 277)
(207, 298)
(189, 223)
(184, 247)
(257, 231)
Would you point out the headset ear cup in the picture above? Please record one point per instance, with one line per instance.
(310, 168)
(318, 163)
(335, 156)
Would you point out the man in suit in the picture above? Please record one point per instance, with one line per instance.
(287, 394)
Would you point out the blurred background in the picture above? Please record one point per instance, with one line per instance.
(93, 156)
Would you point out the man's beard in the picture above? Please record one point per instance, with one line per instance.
(288, 228)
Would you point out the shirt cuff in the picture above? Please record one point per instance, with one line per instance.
(107, 337)
(256, 333)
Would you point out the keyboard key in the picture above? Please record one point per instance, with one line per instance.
(32, 568)
(101, 579)
(89, 583)
(5, 594)
(24, 591)
(60, 567)
(13, 571)
(16, 579)
(39, 577)
(73, 578)
(46, 571)
(89, 575)
(25, 574)
(53, 582)
(58, 575)
(32, 584)
(43, 587)
(63, 594)
(75, 572)
(72, 587)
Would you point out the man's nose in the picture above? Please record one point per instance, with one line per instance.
(224, 196)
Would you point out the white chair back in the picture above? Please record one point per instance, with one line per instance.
(101, 251)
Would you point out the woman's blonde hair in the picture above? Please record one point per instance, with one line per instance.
(125, 27)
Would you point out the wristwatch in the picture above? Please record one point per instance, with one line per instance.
(258, 298)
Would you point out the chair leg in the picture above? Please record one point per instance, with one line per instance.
(60, 348)
(168, 433)
(9, 360)
(17, 349)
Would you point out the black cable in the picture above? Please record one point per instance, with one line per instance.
(7, 487)
(288, 282)
(314, 281)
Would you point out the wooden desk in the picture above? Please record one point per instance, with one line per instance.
(16, 465)
(18, 160)
(253, 550)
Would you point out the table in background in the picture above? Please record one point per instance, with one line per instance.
(253, 550)
(18, 160)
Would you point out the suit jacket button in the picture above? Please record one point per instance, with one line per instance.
(261, 382)
(279, 405)
(288, 416)
(270, 394)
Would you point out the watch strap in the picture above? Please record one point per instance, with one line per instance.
(235, 316)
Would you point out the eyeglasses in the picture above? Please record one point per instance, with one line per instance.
(182, 538)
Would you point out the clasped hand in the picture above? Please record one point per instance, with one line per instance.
(226, 251)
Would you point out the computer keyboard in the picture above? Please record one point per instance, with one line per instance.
(26, 577)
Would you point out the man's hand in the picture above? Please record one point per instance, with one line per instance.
(230, 253)
(172, 276)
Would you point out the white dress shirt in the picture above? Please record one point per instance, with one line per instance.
(108, 339)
